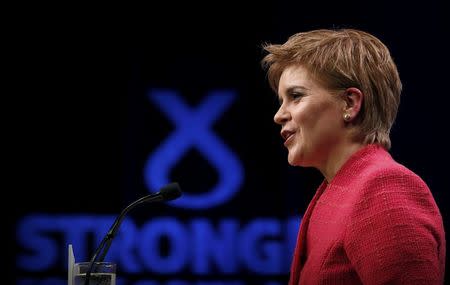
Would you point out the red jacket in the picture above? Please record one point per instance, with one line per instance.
(375, 223)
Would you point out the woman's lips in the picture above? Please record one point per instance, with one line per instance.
(289, 138)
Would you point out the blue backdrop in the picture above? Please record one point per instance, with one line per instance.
(116, 102)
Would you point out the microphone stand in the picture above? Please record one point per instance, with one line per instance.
(168, 192)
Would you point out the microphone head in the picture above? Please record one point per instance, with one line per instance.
(170, 191)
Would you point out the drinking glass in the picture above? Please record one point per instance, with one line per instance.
(103, 273)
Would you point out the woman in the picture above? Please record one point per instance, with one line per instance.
(372, 220)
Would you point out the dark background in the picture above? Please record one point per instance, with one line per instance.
(81, 122)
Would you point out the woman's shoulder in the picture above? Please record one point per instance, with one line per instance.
(394, 184)
(384, 170)
(373, 166)
(386, 185)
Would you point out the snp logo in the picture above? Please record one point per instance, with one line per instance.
(193, 129)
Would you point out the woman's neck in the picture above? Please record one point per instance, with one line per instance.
(337, 157)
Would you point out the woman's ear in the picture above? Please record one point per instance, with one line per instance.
(353, 98)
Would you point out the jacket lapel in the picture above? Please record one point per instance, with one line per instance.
(300, 248)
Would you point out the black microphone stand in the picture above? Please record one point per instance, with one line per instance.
(168, 192)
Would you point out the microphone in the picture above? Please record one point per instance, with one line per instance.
(168, 192)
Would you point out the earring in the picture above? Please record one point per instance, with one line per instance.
(346, 117)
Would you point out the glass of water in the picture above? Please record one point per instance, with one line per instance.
(103, 273)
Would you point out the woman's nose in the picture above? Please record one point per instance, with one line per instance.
(281, 116)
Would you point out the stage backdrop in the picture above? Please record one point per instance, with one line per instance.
(113, 108)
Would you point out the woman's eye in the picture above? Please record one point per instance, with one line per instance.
(296, 95)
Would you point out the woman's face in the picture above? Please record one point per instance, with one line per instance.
(311, 118)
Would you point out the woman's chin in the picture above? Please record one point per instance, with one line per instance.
(292, 160)
(295, 159)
